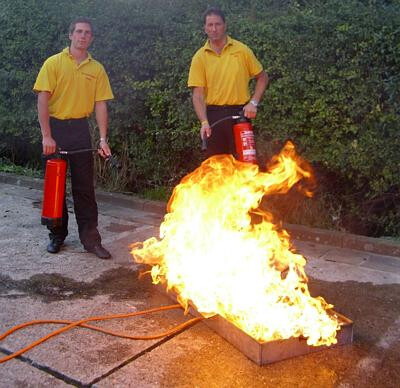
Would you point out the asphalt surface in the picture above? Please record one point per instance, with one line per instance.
(363, 284)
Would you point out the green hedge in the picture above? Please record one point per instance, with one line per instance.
(335, 81)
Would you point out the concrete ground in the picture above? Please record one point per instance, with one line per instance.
(363, 285)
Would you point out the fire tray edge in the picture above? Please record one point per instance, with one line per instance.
(263, 353)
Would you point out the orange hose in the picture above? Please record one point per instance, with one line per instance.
(82, 323)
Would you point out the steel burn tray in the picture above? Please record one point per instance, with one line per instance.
(263, 353)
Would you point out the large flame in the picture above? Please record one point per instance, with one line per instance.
(218, 256)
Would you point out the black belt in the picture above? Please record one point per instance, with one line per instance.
(224, 107)
(68, 121)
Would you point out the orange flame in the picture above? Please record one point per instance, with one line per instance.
(212, 254)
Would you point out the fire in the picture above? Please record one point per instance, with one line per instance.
(214, 254)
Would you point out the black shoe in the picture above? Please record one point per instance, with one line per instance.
(100, 252)
(54, 246)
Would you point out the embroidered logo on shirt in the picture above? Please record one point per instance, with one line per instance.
(88, 76)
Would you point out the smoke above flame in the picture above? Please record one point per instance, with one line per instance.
(223, 254)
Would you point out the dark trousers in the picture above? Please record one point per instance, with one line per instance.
(71, 135)
(221, 140)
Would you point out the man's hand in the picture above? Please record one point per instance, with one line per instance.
(205, 131)
(104, 150)
(102, 119)
(250, 111)
(199, 104)
(49, 145)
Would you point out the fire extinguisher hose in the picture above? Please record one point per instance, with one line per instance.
(231, 117)
(62, 152)
(83, 323)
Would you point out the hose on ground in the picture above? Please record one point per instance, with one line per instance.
(83, 323)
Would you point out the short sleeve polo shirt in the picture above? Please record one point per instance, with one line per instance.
(225, 77)
(74, 87)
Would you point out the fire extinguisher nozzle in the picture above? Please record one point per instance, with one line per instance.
(203, 144)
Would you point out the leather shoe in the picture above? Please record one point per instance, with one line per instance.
(100, 252)
(54, 246)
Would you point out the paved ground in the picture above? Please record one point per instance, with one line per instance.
(364, 286)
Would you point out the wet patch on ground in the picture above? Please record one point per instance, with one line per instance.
(374, 310)
(119, 228)
(120, 283)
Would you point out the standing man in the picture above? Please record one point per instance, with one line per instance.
(70, 85)
(219, 75)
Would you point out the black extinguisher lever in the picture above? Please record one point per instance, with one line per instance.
(241, 118)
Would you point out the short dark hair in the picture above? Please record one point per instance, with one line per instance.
(213, 11)
(80, 20)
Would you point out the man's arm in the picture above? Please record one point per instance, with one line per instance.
(250, 110)
(49, 145)
(199, 104)
(102, 122)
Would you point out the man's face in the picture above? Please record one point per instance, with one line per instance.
(215, 27)
(82, 36)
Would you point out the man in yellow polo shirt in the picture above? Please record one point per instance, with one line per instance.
(70, 86)
(219, 74)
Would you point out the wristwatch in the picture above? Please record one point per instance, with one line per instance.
(254, 102)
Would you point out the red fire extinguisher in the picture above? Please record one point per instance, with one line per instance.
(54, 191)
(244, 139)
(54, 186)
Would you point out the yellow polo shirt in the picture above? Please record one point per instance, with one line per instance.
(225, 77)
(74, 88)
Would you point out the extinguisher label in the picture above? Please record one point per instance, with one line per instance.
(248, 144)
(247, 139)
(249, 152)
